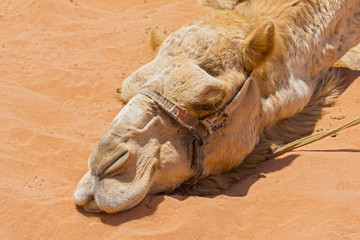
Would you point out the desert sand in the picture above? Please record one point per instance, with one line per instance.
(60, 65)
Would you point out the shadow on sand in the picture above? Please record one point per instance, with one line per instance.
(241, 188)
(149, 205)
(146, 208)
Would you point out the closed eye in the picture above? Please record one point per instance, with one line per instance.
(208, 102)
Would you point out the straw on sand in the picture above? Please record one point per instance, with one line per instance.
(278, 150)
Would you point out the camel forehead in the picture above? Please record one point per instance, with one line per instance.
(191, 41)
(208, 37)
(197, 62)
(197, 65)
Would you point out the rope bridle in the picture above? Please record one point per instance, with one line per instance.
(197, 126)
(185, 119)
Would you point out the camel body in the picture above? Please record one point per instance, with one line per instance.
(287, 47)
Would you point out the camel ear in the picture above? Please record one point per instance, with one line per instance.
(259, 46)
(157, 37)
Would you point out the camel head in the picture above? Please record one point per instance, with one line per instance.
(200, 68)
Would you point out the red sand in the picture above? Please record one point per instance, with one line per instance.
(60, 65)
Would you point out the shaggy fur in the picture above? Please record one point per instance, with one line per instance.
(287, 47)
(330, 86)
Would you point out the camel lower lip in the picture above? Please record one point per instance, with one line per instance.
(92, 207)
(109, 194)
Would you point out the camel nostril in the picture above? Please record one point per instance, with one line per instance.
(116, 163)
(92, 198)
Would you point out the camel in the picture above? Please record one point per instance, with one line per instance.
(220, 92)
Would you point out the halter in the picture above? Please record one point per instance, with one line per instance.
(211, 123)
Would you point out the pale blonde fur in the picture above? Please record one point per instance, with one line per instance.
(288, 47)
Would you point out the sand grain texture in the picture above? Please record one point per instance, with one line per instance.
(60, 65)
